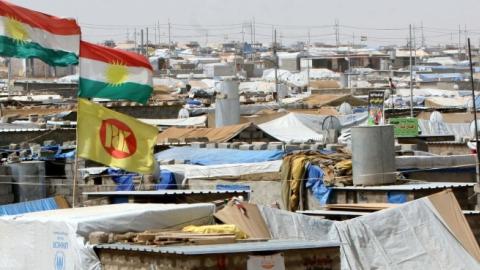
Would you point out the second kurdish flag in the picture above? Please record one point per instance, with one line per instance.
(114, 74)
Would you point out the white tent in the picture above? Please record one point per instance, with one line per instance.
(429, 233)
(57, 239)
(289, 128)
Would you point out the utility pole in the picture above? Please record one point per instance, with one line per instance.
(206, 38)
(155, 34)
(337, 33)
(254, 30)
(243, 34)
(411, 72)
(159, 34)
(459, 42)
(276, 62)
(135, 38)
(308, 61)
(423, 36)
(169, 38)
(141, 42)
(128, 35)
(251, 33)
(146, 45)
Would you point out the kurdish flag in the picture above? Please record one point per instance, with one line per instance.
(25, 33)
(114, 139)
(114, 74)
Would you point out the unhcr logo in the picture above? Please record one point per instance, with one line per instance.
(59, 262)
(117, 138)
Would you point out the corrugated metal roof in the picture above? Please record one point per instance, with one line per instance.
(165, 192)
(272, 245)
(408, 187)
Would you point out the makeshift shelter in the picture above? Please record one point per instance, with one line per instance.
(57, 238)
(219, 135)
(215, 156)
(318, 100)
(428, 233)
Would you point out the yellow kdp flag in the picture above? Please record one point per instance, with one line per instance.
(114, 139)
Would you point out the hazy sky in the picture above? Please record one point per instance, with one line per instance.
(216, 20)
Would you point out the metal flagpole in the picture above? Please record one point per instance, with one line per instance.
(474, 105)
(411, 73)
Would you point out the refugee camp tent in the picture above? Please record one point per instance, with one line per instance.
(57, 239)
(428, 233)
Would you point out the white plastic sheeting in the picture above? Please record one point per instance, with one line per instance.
(231, 170)
(178, 122)
(57, 239)
(289, 128)
(390, 239)
(460, 130)
(299, 127)
(299, 79)
(184, 172)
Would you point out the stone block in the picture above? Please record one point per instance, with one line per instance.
(292, 147)
(198, 144)
(259, 146)
(211, 145)
(224, 145)
(275, 146)
(246, 146)
(236, 145)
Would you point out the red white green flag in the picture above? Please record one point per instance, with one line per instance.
(114, 74)
(25, 33)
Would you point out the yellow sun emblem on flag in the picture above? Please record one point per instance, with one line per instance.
(15, 29)
(116, 73)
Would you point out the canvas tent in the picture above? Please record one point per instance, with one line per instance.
(57, 239)
(428, 233)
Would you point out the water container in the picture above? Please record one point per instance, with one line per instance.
(373, 155)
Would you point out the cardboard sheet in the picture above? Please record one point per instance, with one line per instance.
(247, 217)
(451, 213)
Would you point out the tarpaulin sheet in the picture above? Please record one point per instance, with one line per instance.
(315, 183)
(123, 179)
(27, 207)
(167, 180)
(38, 240)
(410, 236)
(203, 156)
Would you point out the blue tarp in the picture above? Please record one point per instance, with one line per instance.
(167, 180)
(441, 76)
(123, 179)
(27, 207)
(315, 183)
(396, 197)
(203, 156)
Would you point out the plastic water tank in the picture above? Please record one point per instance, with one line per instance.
(373, 155)
(30, 179)
(227, 105)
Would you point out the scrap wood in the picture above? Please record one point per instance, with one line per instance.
(361, 206)
(247, 218)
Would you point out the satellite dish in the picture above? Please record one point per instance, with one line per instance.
(331, 122)
(437, 126)
(345, 108)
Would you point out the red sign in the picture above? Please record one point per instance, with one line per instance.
(117, 138)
